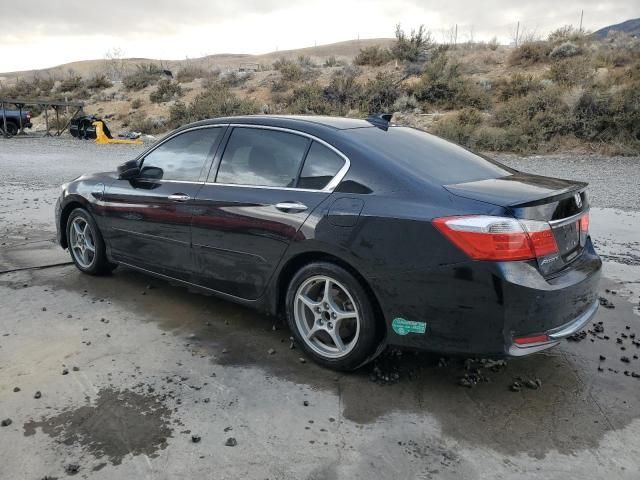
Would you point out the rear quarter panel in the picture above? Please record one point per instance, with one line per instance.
(413, 271)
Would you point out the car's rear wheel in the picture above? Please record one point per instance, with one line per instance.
(86, 244)
(331, 316)
(12, 128)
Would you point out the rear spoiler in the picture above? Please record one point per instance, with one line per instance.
(517, 190)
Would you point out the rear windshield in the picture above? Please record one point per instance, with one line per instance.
(426, 155)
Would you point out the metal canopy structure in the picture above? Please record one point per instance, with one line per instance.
(46, 104)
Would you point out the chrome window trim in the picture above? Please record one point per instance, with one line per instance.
(162, 141)
(162, 180)
(329, 188)
(267, 187)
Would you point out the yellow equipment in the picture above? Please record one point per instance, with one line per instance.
(102, 139)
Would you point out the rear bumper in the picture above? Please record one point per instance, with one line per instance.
(557, 334)
(479, 308)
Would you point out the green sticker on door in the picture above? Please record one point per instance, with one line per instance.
(404, 327)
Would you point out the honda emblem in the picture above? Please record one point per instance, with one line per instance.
(578, 200)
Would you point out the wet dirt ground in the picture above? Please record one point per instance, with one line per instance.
(131, 377)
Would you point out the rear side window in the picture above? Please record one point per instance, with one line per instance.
(421, 154)
(262, 157)
(320, 166)
(182, 157)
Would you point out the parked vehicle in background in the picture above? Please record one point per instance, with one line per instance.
(363, 234)
(13, 120)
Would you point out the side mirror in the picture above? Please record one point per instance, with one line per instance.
(128, 170)
(154, 173)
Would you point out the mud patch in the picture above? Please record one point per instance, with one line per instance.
(118, 423)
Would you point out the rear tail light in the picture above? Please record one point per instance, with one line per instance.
(484, 237)
(28, 115)
(584, 223)
(584, 228)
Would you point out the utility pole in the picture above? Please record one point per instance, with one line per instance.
(455, 36)
(517, 32)
(581, 15)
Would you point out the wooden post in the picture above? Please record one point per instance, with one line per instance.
(46, 120)
(57, 120)
(20, 106)
(4, 122)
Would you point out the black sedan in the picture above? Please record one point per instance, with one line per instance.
(362, 233)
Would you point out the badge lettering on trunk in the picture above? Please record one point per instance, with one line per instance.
(403, 327)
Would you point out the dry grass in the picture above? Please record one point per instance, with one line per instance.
(568, 91)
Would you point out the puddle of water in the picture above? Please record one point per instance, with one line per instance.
(616, 236)
(114, 425)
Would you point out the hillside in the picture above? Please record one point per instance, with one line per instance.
(570, 91)
(630, 27)
(346, 50)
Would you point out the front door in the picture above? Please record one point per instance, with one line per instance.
(148, 218)
(259, 193)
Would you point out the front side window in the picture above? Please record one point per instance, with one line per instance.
(262, 157)
(182, 157)
(320, 166)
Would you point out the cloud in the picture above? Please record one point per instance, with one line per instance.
(125, 16)
(44, 33)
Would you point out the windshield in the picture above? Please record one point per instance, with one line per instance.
(426, 155)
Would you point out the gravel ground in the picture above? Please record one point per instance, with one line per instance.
(52, 161)
(613, 181)
(131, 377)
(36, 162)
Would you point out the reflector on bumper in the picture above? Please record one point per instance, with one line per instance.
(525, 345)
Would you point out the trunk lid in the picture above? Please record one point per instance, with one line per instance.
(562, 203)
(516, 190)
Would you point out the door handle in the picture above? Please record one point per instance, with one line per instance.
(291, 207)
(179, 197)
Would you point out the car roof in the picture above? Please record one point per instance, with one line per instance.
(293, 121)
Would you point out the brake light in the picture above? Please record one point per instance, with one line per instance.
(584, 223)
(28, 115)
(485, 237)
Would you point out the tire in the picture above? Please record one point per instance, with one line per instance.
(86, 245)
(12, 128)
(343, 343)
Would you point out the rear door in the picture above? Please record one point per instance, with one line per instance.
(149, 217)
(263, 186)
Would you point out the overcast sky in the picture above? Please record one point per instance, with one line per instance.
(42, 33)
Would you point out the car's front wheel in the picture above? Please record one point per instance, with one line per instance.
(86, 244)
(331, 316)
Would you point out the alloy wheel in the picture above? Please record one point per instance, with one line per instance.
(326, 316)
(82, 242)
